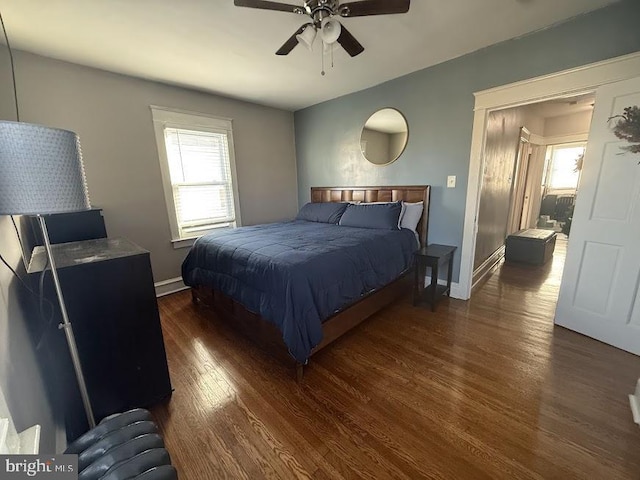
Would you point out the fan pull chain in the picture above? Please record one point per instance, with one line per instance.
(323, 54)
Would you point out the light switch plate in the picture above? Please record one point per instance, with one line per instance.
(451, 181)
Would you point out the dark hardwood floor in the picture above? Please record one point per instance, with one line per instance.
(482, 389)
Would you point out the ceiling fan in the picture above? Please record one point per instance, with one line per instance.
(322, 14)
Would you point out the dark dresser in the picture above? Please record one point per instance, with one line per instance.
(108, 289)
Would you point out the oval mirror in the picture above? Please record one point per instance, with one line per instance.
(384, 136)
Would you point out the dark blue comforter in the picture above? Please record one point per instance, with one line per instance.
(297, 274)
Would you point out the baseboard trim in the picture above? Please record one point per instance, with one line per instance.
(457, 291)
(487, 266)
(167, 287)
(634, 401)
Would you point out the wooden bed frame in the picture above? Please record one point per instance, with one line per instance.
(267, 335)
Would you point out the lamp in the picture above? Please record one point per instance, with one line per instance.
(307, 37)
(330, 30)
(41, 172)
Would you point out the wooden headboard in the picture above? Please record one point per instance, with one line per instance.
(411, 193)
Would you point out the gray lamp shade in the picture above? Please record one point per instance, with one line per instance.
(41, 170)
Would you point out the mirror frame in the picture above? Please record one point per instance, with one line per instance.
(406, 122)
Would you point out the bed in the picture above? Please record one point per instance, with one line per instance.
(295, 287)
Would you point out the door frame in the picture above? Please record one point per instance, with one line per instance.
(533, 185)
(519, 184)
(570, 82)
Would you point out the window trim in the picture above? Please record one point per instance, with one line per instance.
(549, 170)
(164, 117)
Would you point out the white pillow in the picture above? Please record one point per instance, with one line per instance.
(411, 215)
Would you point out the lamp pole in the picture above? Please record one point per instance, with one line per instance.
(66, 326)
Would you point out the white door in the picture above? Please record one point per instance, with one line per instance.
(599, 294)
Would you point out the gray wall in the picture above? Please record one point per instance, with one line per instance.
(376, 145)
(438, 104)
(111, 114)
(397, 141)
(382, 147)
(572, 124)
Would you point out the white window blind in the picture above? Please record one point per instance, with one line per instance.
(198, 172)
(200, 179)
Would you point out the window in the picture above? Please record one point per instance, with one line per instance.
(564, 166)
(198, 172)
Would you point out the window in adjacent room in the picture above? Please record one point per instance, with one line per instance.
(564, 165)
(198, 172)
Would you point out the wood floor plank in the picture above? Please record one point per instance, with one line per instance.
(488, 388)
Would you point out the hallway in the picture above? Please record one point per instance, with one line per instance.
(533, 289)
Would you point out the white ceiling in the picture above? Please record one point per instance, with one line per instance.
(563, 106)
(387, 120)
(213, 46)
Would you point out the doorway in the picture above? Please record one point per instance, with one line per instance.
(568, 82)
(532, 162)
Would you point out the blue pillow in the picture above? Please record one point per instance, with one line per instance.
(322, 212)
(382, 216)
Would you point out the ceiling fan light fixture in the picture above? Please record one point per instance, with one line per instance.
(307, 37)
(330, 30)
(323, 16)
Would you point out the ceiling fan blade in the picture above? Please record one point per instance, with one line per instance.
(290, 44)
(264, 5)
(374, 7)
(349, 43)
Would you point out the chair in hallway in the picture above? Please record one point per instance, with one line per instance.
(563, 207)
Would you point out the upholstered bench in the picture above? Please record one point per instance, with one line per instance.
(123, 446)
(533, 246)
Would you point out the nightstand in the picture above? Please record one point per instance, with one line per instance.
(432, 256)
